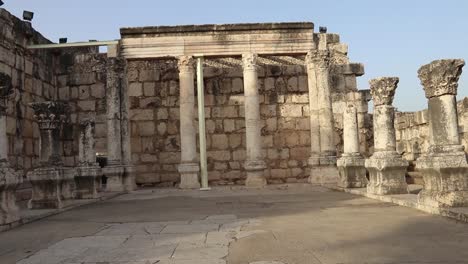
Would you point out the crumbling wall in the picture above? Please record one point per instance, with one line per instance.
(33, 79)
(412, 130)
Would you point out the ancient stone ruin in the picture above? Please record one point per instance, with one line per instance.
(281, 105)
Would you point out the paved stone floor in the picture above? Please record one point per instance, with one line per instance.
(279, 225)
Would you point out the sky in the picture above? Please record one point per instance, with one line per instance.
(391, 38)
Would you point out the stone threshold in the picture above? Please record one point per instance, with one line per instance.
(410, 200)
(28, 215)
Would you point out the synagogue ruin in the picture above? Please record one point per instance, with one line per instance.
(280, 104)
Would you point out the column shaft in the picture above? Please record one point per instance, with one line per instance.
(327, 131)
(443, 128)
(384, 131)
(3, 138)
(114, 144)
(350, 130)
(314, 111)
(254, 164)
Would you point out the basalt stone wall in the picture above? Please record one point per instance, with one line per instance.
(154, 115)
(413, 132)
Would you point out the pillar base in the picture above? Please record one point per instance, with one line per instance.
(445, 177)
(325, 172)
(387, 172)
(87, 181)
(114, 175)
(50, 187)
(189, 176)
(352, 171)
(255, 176)
(9, 181)
(129, 178)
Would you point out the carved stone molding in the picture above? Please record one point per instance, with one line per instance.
(186, 64)
(49, 114)
(383, 90)
(441, 77)
(249, 61)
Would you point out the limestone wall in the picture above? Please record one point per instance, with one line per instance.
(32, 74)
(154, 115)
(412, 130)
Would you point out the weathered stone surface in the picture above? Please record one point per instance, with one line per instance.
(383, 90)
(441, 77)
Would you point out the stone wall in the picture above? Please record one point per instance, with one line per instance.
(154, 115)
(33, 79)
(412, 130)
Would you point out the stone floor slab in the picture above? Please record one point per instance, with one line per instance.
(190, 228)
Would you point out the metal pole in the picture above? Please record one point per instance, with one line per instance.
(201, 125)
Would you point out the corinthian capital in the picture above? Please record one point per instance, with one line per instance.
(383, 90)
(318, 58)
(186, 64)
(249, 61)
(441, 77)
(49, 115)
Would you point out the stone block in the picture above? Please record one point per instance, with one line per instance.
(219, 155)
(238, 155)
(219, 141)
(141, 114)
(149, 89)
(300, 153)
(290, 110)
(98, 90)
(229, 125)
(146, 128)
(280, 173)
(135, 89)
(230, 112)
(89, 105)
(64, 93)
(235, 141)
(237, 85)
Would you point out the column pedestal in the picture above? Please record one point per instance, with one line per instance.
(255, 175)
(50, 187)
(352, 171)
(115, 178)
(387, 172)
(9, 181)
(189, 176)
(87, 182)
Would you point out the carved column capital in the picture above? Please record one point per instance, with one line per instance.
(249, 61)
(318, 58)
(50, 115)
(186, 64)
(441, 77)
(383, 90)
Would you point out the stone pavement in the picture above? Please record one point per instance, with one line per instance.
(279, 225)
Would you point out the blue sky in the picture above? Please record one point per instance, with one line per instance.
(391, 38)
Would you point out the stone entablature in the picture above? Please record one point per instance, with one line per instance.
(224, 40)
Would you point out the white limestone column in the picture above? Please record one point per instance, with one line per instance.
(114, 144)
(350, 130)
(386, 167)
(255, 164)
(351, 164)
(444, 166)
(188, 168)
(86, 148)
(314, 159)
(327, 131)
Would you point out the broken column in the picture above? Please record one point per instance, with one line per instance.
(119, 175)
(89, 173)
(254, 164)
(9, 179)
(322, 162)
(51, 182)
(188, 167)
(386, 167)
(444, 167)
(351, 164)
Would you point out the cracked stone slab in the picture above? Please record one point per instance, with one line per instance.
(196, 252)
(222, 238)
(191, 228)
(170, 239)
(131, 229)
(244, 234)
(267, 262)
